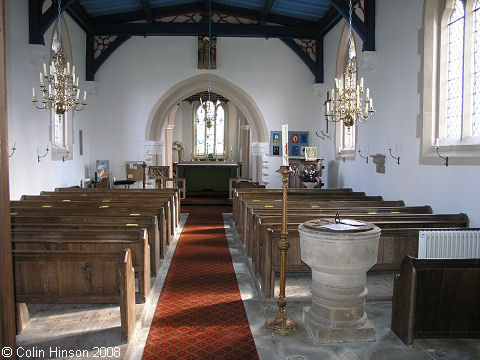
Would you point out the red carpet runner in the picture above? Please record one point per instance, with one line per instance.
(200, 314)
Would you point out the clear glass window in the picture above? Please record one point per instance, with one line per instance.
(456, 35)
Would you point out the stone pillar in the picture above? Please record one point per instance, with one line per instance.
(245, 146)
(168, 147)
(339, 256)
(259, 151)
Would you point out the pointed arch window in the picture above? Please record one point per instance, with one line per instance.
(451, 81)
(346, 137)
(61, 126)
(209, 138)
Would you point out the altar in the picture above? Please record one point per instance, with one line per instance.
(207, 175)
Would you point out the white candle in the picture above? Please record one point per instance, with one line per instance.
(45, 68)
(339, 150)
(33, 92)
(336, 83)
(285, 145)
(68, 67)
(15, 145)
(73, 69)
(328, 107)
(437, 143)
(78, 93)
(361, 84)
(41, 78)
(77, 81)
(85, 96)
(368, 93)
(333, 94)
(371, 104)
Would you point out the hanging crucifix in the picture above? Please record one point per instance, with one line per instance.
(204, 44)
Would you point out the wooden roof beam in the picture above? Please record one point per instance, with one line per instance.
(266, 11)
(366, 33)
(39, 23)
(220, 30)
(147, 9)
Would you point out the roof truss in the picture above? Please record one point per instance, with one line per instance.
(270, 25)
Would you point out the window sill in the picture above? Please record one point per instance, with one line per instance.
(458, 152)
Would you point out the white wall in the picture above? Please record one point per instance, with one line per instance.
(395, 86)
(136, 76)
(28, 126)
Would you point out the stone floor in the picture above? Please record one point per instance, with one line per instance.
(299, 345)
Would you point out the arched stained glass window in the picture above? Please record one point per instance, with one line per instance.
(456, 36)
(476, 70)
(209, 139)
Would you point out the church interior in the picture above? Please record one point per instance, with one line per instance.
(224, 179)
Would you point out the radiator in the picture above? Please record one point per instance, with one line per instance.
(454, 244)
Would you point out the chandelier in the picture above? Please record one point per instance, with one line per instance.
(59, 85)
(348, 103)
(210, 107)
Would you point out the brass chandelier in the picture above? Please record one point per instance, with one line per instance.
(59, 85)
(348, 103)
(210, 107)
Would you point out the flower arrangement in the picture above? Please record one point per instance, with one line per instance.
(310, 174)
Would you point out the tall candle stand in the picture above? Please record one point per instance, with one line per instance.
(282, 324)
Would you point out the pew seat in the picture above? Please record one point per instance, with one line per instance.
(69, 277)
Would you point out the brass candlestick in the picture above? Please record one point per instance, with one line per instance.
(282, 324)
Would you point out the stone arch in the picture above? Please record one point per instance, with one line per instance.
(161, 112)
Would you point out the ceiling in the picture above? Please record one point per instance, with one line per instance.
(300, 24)
(312, 10)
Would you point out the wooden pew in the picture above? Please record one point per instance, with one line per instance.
(76, 277)
(130, 192)
(91, 240)
(436, 298)
(264, 219)
(396, 241)
(162, 204)
(241, 195)
(81, 220)
(304, 207)
(317, 201)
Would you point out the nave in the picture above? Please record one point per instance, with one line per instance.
(98, 324)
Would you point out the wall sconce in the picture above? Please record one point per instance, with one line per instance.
(396, 158)
(340, 153)
(437, 146)
(46, 152)
(66, 155)
(13, 149)
(322, 135)
(363, 157)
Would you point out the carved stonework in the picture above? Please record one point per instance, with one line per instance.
(157, 172)
(379, 161)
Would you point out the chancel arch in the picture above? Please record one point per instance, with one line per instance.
(163, 113)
